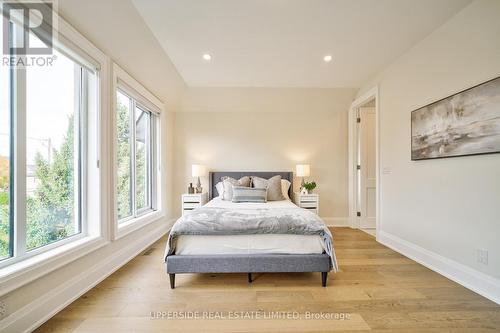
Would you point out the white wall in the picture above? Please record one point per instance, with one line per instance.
(267, 129)
(447, 206)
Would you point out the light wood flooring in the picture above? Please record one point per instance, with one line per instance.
(377, 290)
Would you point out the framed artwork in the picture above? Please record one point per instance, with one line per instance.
(466, 123)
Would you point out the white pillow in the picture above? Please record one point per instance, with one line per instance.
(285, 186)
(220, 189)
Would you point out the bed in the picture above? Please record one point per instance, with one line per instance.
(210, 248)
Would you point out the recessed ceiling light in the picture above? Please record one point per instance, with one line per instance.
(207, 57)
(327, 58)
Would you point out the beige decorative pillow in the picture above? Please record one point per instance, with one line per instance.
(228, 184)
(273, 185)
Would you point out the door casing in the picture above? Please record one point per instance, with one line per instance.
(369, 95)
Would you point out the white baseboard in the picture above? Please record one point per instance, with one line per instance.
(470, 278)
(336, 221)
(45, 307)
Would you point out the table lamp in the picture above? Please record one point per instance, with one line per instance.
(302, 170)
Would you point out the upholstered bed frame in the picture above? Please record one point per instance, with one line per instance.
(214, 178)
(247, 263)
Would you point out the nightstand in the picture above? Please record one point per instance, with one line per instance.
(192, 201)
(307, 201)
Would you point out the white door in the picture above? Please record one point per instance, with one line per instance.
(367, 169)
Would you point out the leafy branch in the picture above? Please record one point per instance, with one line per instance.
(309, 186)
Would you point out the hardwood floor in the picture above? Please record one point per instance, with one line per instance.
(377, 290)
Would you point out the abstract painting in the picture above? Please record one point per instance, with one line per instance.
(467, 123)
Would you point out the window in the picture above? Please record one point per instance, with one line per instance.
(143, 158)
(53, 168)
(135, 156)
(124, 156)
(43, 123)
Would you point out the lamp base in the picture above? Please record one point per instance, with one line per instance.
(199, 189)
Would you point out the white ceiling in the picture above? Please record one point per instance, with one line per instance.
(281, 43)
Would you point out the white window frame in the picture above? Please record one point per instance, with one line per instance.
(144, 99)
(19, 198)
(95, 166)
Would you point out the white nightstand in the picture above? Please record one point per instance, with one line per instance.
(307, 201)
(192, 201)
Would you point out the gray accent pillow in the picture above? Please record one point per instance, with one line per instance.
(249, 194)
(273, 186)
(228, 183)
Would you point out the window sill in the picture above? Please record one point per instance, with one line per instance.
(23, 272)
(132, 225)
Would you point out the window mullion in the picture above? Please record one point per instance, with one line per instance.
(152, 163)
(148, 160)
(132, 157)
(79, 158)
(18, 105)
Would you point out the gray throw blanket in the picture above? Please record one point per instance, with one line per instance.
(223, 221)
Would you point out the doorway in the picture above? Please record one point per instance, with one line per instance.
(363, 162)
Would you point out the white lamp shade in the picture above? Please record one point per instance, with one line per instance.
(303, 170)
(198, 170)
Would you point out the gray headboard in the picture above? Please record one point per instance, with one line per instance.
(215, 176)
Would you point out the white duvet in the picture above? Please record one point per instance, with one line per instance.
(249, 244)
